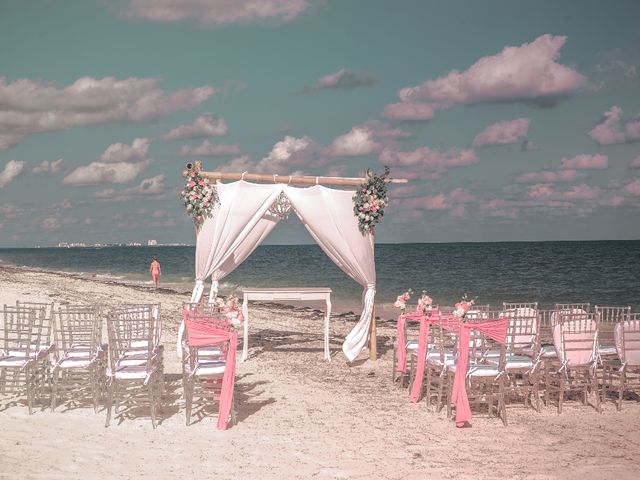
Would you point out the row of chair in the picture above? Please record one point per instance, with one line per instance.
(43, 349)
(547, 353)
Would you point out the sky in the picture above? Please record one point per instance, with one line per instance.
(513, 120)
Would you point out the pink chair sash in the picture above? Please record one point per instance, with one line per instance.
(200, 334)
(423, 340)
(401, 361)
(495, 329)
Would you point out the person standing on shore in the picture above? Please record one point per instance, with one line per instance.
(155, 271)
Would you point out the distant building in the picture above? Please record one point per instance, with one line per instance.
(152, 243)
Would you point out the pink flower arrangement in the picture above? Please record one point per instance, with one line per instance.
(401, 300)
(231, 310)
(463, 306)
(424, 303)
(199, 197)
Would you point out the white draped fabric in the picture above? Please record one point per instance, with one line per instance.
(328, 216)
(241, 222)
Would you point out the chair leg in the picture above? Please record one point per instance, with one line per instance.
(110, 393)
(561, 393)
(393, 364)
(594, 387)
(188, 398)
(54, 388)
(29, 380)
(623, 380)
(152, 402)
(94, 388)
(234, 419)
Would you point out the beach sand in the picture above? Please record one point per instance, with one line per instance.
(299, 416)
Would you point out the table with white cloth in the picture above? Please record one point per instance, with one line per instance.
(290, 294)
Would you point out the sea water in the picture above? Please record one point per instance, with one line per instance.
(600, 272)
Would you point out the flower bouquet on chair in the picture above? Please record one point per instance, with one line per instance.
(425, 303)
(230, 308)
(401, 300)
(463, 306)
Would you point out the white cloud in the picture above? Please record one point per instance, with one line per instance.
(50, 223)
(206, 125)
(123, 153)
(30, 106)
(285, 154)
(96, 173)
(585, 162)
(285, 158)
(549, 176)
(11, 170)
(207, 149)
(120, 163)
(503, 133)
(612, 129)
(358, 141)
(218, 12)
(149, 187)
(54, 166)
(341, 80)
(529, 73)
(240, 164)
(427, 163)
(409, 111)
(365, 139)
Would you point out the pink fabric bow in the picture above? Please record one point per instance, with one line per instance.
(495, 329)
(202, 333)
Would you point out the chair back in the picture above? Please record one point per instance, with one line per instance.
(612, 314)
(203, 329)
(146, 313)
(44, 317)
(522, 333)
(573, 306)
(133, 330)
(480, 342)
(78, 328)
(200, 307)
(575, 338)
(20, 332)
(627, 339)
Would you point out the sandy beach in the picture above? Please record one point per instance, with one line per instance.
(299, 416)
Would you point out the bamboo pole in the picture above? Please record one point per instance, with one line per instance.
(295, 179)
(373, 338)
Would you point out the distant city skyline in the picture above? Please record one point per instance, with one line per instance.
(513, 120)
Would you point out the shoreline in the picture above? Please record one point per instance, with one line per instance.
(336, 310)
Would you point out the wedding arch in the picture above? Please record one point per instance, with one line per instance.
(247, 212)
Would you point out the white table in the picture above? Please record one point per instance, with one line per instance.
(298, 294)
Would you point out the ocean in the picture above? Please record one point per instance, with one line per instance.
(600, 272)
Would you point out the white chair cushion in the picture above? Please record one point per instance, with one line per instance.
(548, 351)
(75, 362)
(131, 372)
(12, 361)
(607, 350)
(209, 367)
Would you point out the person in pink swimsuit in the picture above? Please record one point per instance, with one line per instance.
(155, 271)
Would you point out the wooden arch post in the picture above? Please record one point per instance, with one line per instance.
(373, 337)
